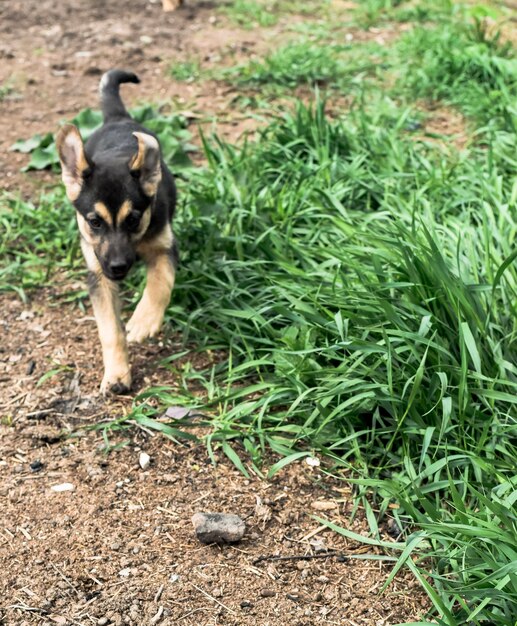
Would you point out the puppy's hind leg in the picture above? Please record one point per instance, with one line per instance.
(147, 319)
(106, 307)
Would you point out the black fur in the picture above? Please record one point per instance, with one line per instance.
(109, 179)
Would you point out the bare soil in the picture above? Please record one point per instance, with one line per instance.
(120, 548)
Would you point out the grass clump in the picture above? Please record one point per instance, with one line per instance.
(252, 13)
(185, 71)
(306, 62)
(37, 239)
(465, 66)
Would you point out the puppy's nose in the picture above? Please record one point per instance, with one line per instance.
(119, 268)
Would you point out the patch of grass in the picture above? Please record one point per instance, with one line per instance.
(5, 90)
(252, 13)
(308, 63)
(38, 240)
(466, 66)
(185, 71)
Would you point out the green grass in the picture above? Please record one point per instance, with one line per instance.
(359, 286)
(464, 65)
(307, 62)
(185, 71)
(249, 14)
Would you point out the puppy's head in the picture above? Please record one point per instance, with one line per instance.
(112, 196)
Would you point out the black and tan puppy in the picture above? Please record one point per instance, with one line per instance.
(125, 198)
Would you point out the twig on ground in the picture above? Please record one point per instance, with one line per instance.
(67, 580)
(214, 599)
(301, 557)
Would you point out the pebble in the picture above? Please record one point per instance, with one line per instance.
(267, 593)
(245, 604)
(324, 505)
(102, 621)
(323, 579)
(144, 460)
(36, 465)
(63, 487)
(218, 527)
(125, 572)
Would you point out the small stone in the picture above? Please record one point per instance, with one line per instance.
(125, 573)
(25, 315)
(324, 505)
(218, 527)
(63, 487)
(245, 604)
(323, 579)
(144, 460)
(318, 545)
(146, 40)
(115, 546)
(312, 461)
(102, 621)
(267, 593)
(217, 592)
(173, 578)
(36, 466)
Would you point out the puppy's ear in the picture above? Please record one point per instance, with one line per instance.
(73, 161)
(146, 163)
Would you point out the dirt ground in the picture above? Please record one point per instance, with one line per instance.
(120, 548)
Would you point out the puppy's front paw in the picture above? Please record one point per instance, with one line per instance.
(116, 382)
(143, 325)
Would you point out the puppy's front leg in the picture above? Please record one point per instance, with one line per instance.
(147, 319)
(106, 308)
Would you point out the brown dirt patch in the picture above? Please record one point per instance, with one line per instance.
(444, 124)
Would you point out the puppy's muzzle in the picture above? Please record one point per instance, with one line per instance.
(117, 270)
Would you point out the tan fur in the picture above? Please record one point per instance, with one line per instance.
(171, 5)
(70, 148)
(106, 307)
(147, 319)
(125, 209)
(147, 145)
(102, 211)
(159, 243)
(85, 230)
(143, 226)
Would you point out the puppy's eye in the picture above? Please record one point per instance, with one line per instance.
(133, 220)
(95, 223)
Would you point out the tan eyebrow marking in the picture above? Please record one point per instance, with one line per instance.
(102, 211)
(125, 209)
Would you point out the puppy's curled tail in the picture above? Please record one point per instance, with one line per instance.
(112, 105)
